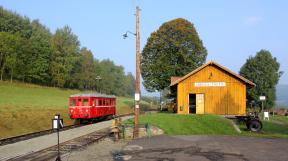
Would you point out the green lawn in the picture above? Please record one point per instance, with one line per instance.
(277, 126)
(174, 124)
(26, 108)
(282, 119)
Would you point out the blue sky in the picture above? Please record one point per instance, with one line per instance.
(230, 30)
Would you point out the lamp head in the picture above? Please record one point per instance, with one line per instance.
(125, 35)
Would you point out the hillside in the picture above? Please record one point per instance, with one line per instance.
(282, 95)
(26, 108)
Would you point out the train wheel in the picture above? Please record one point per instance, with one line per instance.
(109, 117)
(255, 125)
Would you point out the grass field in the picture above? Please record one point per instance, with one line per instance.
(26, 108)
(174, 124)
(277, 126)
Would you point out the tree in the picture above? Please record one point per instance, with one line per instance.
(84, 75)
(37, 60)
(10, 47)
(263, 70)
(65, 47)
(173, 50)
(130, 84)
(14, 23)
(113, 78)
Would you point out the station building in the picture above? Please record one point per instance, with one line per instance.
(211, 89)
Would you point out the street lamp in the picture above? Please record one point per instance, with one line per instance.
(137, 89)
(126, 34)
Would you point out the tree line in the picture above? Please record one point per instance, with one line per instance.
(29, 52)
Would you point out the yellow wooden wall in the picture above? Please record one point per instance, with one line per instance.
(228, 100)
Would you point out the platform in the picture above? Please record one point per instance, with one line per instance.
(43, 142)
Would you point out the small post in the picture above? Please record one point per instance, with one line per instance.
(115, 129)
(124, 133)
(262, 106)
(57, 123)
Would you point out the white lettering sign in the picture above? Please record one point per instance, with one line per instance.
(209, 84)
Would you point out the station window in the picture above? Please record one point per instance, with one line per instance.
(85, 102)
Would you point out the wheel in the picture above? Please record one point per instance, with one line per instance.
(247, 125)
(255, 125)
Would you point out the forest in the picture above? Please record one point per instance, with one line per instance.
(31, 53)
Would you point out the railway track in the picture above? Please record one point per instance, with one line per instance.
(65, 148)
(33, 135)
(44, 132)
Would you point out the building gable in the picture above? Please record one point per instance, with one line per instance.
(215, 72)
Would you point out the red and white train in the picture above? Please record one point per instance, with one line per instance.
(91, 106)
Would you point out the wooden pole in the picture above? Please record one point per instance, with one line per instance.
(137, 92)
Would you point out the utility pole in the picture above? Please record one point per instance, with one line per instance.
(137, 91)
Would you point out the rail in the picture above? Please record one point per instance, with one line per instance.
(15, 139)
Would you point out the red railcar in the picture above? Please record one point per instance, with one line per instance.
(91, 106)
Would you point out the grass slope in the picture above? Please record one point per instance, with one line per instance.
(174, 124)
(26, 108)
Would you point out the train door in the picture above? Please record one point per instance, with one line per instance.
(200, 103)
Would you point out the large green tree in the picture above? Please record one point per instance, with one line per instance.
(84, 75)
(10, 48)
(65, 47)
(173, 50)
(263, 70)
(14, 23)
(37, 59)
(113, 77)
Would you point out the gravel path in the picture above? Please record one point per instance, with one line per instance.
(104, 150)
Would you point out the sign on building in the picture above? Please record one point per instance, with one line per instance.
(209, 84)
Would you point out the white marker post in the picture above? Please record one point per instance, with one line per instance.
(57, 123)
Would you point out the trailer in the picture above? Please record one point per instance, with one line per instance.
(252, 121)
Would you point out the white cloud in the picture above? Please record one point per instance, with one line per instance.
(253, 20)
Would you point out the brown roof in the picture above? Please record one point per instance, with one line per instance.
(173, 79)
(218, 65)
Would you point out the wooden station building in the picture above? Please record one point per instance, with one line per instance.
(211, 89)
